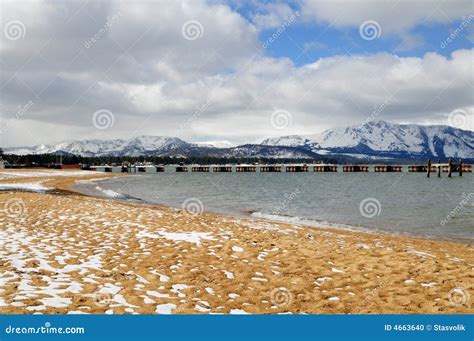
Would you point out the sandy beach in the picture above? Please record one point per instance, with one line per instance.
(62, 252)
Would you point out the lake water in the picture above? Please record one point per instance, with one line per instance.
(400, 203)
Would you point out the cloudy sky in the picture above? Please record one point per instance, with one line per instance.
(230, 70)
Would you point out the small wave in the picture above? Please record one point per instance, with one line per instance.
(111, 194)
(309, 222)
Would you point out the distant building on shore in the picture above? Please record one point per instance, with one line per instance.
(2, 163)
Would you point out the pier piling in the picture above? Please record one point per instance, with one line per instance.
(270, 168)
(324, 168)
(296, 168)
(222, 169)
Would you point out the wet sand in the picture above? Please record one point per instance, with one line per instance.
(63, 252)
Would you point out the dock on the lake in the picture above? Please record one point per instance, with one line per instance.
(388, 168)
(448, 167)
(270, 168)
(325, 168)
(200, 168)
(246, 168)
(181, 169)
(355, 168)
(222, 168)
(428, 168)
(297, 168)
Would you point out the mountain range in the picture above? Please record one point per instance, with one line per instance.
(375, 140)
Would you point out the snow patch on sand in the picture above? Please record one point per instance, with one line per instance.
(32, 186)
(166, 308)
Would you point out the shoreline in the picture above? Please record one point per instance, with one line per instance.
(303, 222)
(72, 253)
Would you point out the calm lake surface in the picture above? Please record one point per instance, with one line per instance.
(400, 203)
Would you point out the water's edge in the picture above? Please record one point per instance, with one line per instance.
(93, 189)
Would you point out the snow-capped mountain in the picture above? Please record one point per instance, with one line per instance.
(215, 144)
(377, 140)
(141, 145)
(384, 139)
(160, 146)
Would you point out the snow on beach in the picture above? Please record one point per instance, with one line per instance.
(82, 255)
(17, 174)
(34, 187)
(72, 251)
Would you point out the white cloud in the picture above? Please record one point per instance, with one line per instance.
(272, 15)
(220, 86)
(394, 16)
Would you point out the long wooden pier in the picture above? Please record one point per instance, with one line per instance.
(270, 168)
(355, 168)
(428, 168)
(297, 168)
(388, 168)
(449, 168)
(222, 169)
(325, 168)
(246, 168)
(199, 168)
